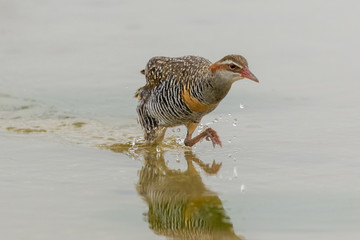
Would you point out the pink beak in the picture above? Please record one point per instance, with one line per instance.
(245, 72)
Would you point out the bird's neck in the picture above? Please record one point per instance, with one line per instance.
(216, 90)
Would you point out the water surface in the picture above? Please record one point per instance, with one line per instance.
(72, 161)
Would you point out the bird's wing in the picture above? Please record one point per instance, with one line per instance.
(160, 69)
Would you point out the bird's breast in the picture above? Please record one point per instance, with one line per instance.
(194, 104)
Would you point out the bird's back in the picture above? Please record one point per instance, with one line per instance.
(184, 70)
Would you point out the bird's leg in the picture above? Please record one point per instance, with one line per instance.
(208, 134)
(155, 136)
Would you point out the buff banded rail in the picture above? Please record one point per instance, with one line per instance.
(181, 90)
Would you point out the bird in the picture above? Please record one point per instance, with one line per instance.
(182, 90)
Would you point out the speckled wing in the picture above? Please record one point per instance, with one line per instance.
(184, 69)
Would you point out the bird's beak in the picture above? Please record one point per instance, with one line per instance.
(245, 72)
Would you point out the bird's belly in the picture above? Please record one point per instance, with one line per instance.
(169, 113)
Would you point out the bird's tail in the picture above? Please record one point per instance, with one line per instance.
(138, 93)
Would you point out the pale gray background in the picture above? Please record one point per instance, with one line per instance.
(295, 145)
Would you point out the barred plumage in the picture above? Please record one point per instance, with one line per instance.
(182, 90)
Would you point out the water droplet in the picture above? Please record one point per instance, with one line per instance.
(235, 122)
(229, 141)
(177, 159)
(242, 188)
(180, 140)
(235, 174)
(241, 106)
(216, 120)
(178, 129)
(158, 149)
(133, 142)
(200, 128)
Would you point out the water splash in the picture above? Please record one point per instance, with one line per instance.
(135, 149)
(235, 174)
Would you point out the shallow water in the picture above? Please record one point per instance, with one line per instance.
(73, 164)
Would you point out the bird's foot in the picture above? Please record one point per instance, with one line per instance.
(211, 135)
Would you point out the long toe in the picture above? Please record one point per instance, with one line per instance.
(213, 136)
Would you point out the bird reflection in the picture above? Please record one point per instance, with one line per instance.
(179, 204)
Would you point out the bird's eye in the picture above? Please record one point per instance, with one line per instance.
(232, 66)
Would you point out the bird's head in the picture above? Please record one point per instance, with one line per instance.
(232, 68)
